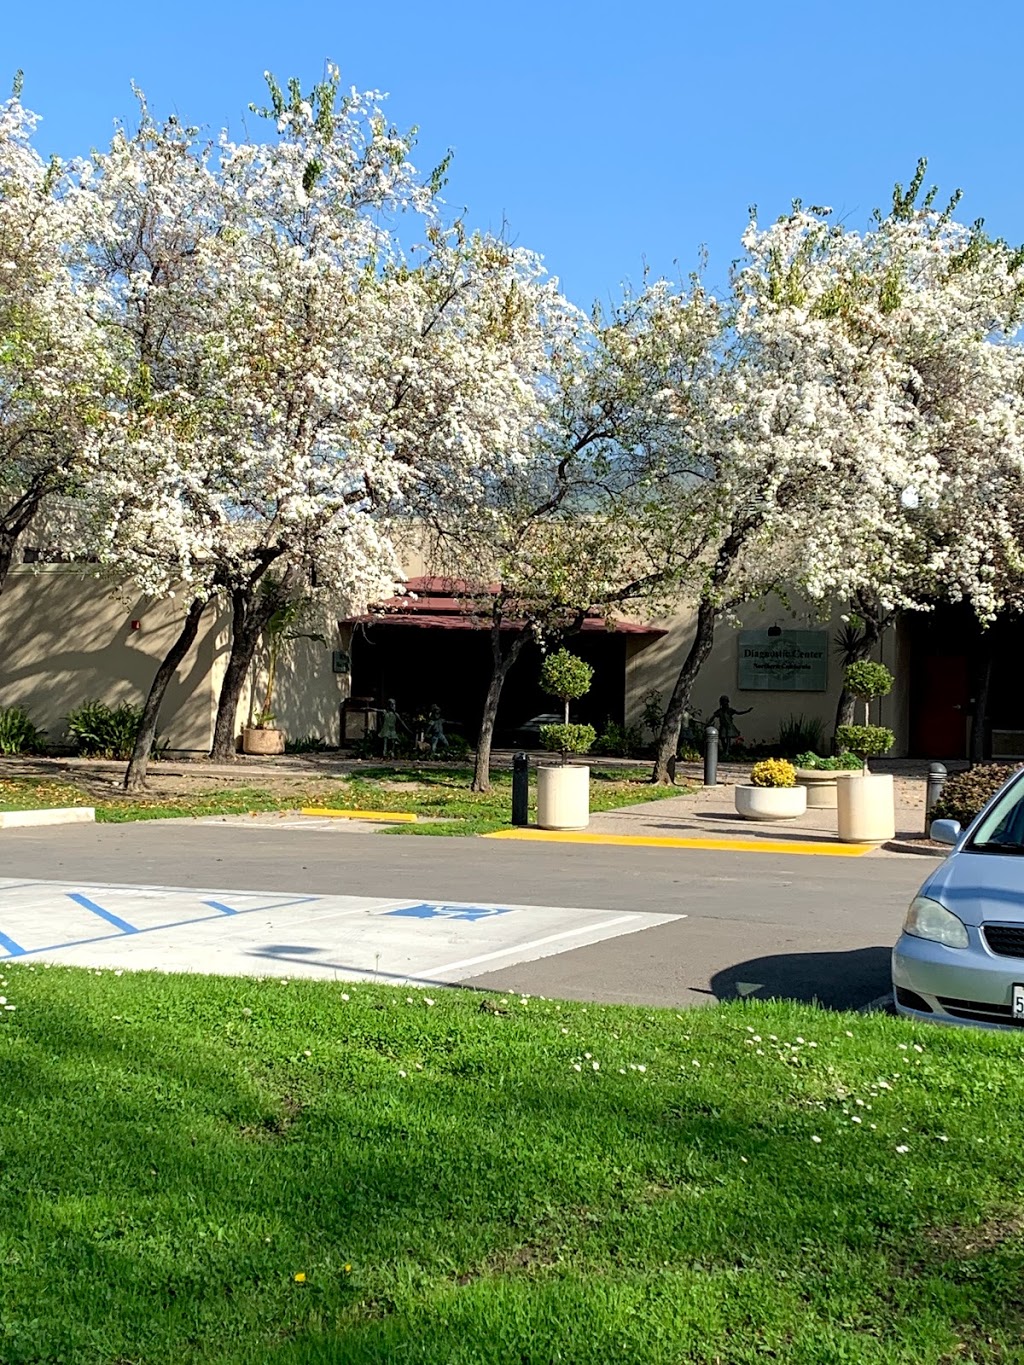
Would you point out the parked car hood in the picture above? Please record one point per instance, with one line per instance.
(980, 887)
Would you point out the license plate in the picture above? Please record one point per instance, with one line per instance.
(1018, 1004)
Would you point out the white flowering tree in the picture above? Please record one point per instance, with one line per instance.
(293, 374)
(565, 519)
(912, 322)
(53, 373)
(862, 396)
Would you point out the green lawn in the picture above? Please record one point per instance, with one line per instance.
(438, 794)
(211, 1170)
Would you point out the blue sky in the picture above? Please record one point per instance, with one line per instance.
(603, 137)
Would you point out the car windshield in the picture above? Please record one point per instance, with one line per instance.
(1002, 829)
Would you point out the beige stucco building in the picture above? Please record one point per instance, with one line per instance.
(66, 637)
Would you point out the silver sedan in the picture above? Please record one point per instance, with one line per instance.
(960, 958)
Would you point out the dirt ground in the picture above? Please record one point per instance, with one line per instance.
(297, 772)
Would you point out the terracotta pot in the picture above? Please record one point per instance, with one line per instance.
(771, 803)
(256, 741)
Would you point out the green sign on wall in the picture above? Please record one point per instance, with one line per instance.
(793, 661)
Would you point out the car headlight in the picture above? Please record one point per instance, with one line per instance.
(928, 919)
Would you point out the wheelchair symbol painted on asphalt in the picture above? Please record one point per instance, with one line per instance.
(466, 912)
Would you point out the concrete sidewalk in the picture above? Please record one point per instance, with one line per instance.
(709, 813)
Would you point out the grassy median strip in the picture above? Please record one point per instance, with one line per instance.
(440, 798)
(231, 1171)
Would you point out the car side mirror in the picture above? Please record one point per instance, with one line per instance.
(945, 831)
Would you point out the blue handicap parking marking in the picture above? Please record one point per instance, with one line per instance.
(107, 915)
(466, 912)
(9, 946)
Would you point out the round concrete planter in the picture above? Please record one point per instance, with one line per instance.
(771, 803)
(867, 809)
(255, 741)
(563, 796)
(822, 786)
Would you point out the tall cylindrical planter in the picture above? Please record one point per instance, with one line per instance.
(866, 810)
(563, 796)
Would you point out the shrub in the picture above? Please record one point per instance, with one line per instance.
(653, 711)
(773, 772)
(800, 732)
(101, 731)
(568, 739)
(457, 748)
(866, 741)
(965, 794)
(834, 763)
(305, 744)
(868, 680)
(620, 741)
(17, 733)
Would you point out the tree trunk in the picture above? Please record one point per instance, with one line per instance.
(135, 775)
(250, 612)
(501, 665)
(979, 710)
(672, 721)
(7, 544)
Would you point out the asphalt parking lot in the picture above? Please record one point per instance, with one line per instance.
(675, 927)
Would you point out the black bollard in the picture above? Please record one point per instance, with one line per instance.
(520, 790)
(711, 757)
(937, 775)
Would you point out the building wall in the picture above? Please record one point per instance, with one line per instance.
(307, 693)
(66, 639)
(656, 665)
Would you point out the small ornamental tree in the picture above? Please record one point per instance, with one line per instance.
(568, 677)
(867, 681)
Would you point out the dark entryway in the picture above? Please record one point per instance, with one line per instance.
(451, 667)
(962, 677)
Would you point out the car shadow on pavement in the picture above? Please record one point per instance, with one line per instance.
(836, 981)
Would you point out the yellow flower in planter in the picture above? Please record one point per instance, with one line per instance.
(773, 772)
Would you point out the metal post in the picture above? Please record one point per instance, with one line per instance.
(711, 756)
(520, 790)
(936, 781)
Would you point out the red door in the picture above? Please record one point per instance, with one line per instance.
(940, 706)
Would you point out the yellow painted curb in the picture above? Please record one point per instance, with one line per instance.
(395, 817)
(828, 850)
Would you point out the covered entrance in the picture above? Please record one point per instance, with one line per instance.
(430, 650)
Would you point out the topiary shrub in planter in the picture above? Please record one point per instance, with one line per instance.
(566, 676)
(568, 739)
(866, 803)
(865, 741)
(964, 795)
(563, 793)
(772, 793)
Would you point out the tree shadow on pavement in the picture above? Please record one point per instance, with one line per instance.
(837, 981)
